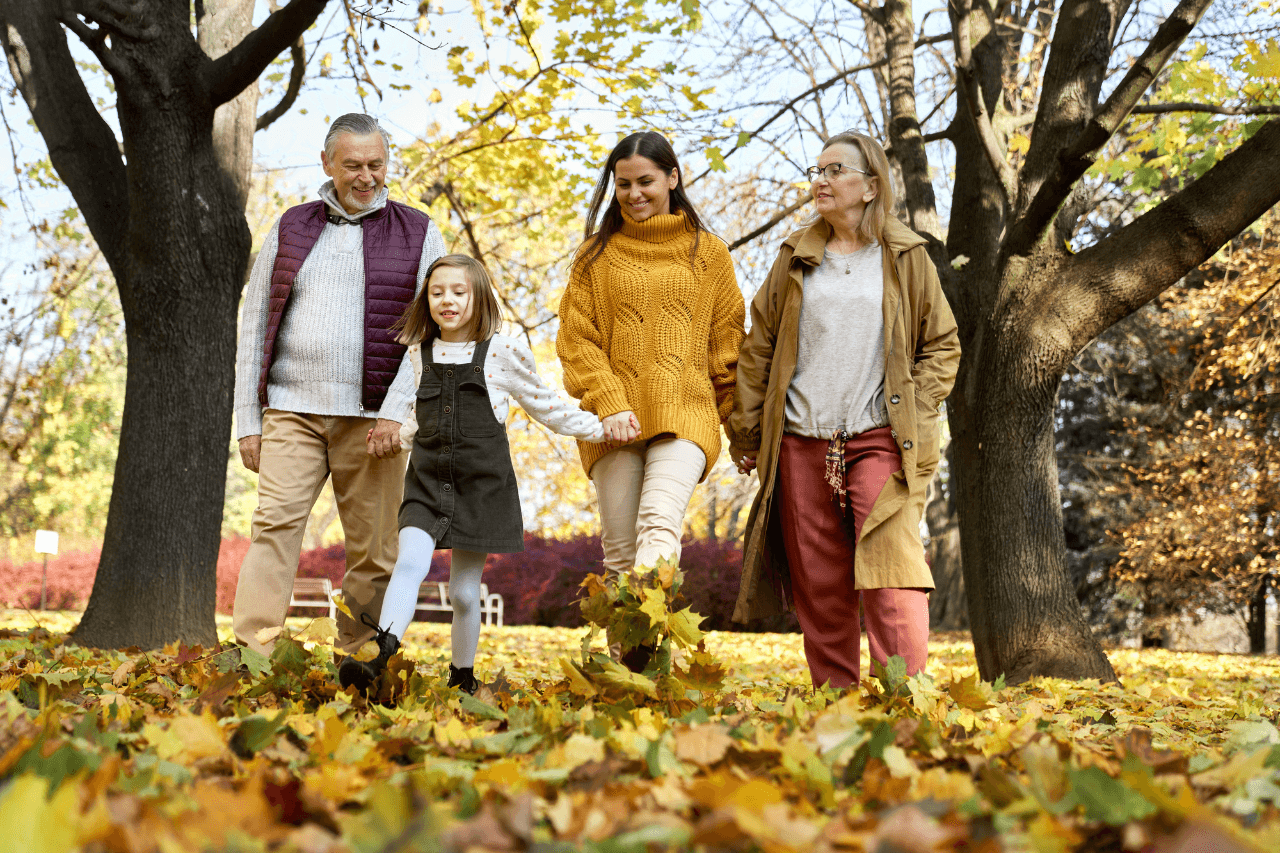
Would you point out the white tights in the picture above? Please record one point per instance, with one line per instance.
(412, 566)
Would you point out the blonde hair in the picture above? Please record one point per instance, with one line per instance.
(416, 324)
(876, 163)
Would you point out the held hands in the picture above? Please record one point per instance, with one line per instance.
(621, 428)
(746, 464)
(251, 452)
(383, 441)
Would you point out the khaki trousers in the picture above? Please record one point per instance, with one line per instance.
(300, 452)
(643, 494)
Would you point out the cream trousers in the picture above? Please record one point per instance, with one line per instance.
(643, 494)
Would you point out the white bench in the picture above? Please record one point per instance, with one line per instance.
(434, 595)
(313, 592)
(438, 599)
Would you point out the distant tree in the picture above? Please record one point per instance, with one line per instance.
(1204, 485)
(61, 378)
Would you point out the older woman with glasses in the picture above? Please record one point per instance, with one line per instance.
(851, 352)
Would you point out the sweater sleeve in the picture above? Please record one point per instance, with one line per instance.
(398, 404)
(517, 376)
(588, 375)
(726, 331)
(253, 334)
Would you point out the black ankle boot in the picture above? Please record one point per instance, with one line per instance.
(364, 674)
(464, 679)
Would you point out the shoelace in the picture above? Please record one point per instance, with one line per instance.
(382, 633)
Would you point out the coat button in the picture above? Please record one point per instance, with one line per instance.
(895, 399)
(448, 373)
(906, 445)
(447, 410)
(444, 522)
(448, 488)
(476, 369)
(446, 449)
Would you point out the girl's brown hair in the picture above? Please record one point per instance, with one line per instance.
(876, 163)
(416, 324)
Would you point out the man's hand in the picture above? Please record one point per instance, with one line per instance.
(251, 452)
(621, 428)
(384, 439)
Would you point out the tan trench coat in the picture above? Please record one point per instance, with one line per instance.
(922, 352)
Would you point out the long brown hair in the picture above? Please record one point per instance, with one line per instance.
(416, 324)
(654, 147)
(879, 208)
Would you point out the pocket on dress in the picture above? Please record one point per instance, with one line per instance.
(475, 412)
(427, 409)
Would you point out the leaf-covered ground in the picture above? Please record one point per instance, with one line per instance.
(193, 750)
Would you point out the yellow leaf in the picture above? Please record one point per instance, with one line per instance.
(1019, 144)
(704, 744)
(32, 823)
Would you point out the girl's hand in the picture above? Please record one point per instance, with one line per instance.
(621, 428)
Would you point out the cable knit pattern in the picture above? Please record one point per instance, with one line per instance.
(511, 374)
(642, 331)
(319, 350)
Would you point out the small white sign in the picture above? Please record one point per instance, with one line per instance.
(46, 542)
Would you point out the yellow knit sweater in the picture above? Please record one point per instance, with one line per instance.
(643, 331)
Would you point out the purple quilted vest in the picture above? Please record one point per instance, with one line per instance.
(393, 240)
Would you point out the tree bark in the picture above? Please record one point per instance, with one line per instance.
(173, 230)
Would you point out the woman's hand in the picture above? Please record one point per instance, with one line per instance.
(746, 464)
(621, 428)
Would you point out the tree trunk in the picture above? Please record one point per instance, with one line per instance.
(1257, 621)
(187, 245)
(1024, 616)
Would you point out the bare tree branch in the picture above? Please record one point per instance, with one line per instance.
(228, 75)
(1220, 109)
(82, 147)
(773, 220)
(813, 90)
(296, 75)
(967, 78)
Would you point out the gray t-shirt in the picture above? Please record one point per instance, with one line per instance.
(839, 378)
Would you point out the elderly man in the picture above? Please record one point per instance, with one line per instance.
(322, 387)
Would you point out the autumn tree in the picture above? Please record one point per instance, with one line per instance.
(1206, 485)
(165, 202)
(1026, 98)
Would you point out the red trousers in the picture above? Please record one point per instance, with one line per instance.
(820, 542)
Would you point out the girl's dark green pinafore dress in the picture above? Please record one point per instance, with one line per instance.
(460, 486)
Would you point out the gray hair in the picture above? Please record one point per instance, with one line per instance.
(358, 124)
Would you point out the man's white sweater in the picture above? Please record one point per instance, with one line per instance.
(319, 350)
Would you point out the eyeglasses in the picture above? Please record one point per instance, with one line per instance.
(830, 171)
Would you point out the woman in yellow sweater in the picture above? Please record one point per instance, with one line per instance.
(650, 327)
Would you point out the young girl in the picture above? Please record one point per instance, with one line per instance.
(460, 490)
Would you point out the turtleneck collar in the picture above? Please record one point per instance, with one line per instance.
(330, 196)
(658, 228)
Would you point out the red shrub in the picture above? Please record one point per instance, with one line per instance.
(539, 586)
